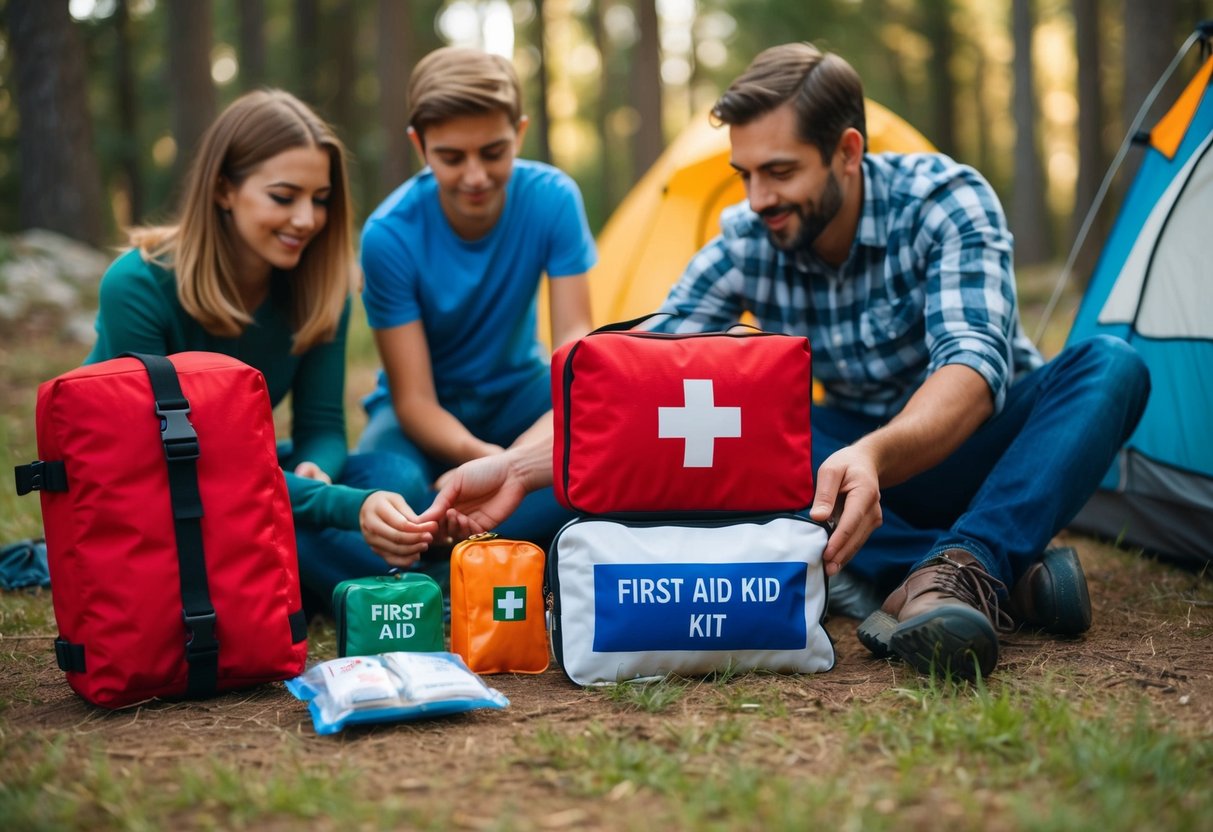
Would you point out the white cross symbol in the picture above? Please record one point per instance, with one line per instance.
(509, 603)
(700, 422)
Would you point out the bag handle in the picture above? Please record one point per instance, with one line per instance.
(181, 452)
(623, 326)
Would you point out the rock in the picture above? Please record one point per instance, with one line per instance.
(52, 276)
(74, 261)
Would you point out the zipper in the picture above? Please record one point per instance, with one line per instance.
(552, 594)
(634, 333)
(549, 606)
(339, 614)
(714, 520)
(566, 428)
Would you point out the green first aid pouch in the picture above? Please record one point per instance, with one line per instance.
(388, 614)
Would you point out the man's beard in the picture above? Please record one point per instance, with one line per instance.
(812, 220)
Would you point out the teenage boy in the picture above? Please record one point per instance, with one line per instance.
(941, 420)
(452, 262)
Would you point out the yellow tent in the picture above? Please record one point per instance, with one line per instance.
(675, 208)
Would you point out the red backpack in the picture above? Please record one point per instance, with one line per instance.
(168, 529)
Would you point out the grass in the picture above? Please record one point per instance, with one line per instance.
(924, 756)
(650, 697)
(1034, 753)
(1054, 761)
(60, 790)
(1022, 751)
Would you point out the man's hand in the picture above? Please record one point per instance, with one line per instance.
(945, 411)
(392, 530)
(848, 492)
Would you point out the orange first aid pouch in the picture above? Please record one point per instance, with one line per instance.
(498, 622)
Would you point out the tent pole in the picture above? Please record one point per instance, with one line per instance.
(1066, 270)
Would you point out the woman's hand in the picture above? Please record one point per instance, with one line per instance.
(312, 471)
(392, 529)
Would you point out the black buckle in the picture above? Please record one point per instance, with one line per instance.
(69, 656)
(41, 476)
(178, 435)
(202, 643)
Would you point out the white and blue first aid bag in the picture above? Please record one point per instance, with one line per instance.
(634, 600)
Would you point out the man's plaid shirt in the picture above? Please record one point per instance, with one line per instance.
(928, 282)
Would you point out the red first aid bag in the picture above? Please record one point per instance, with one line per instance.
(649, 423)
(168, 529)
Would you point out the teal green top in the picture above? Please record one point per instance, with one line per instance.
(140, 312)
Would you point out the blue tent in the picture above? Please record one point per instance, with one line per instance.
(1153, 286)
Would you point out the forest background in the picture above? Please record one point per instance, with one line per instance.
(101, 101)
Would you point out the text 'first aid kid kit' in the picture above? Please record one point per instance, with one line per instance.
(643, 599)
(667, 425)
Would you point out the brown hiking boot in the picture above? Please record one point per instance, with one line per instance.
(1052, 595)
(943, 618)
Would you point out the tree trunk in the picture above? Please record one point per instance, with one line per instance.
(340, 104)
(59, 175)
(306, 31)
(252, 43)
(602, 109)
(982, 116)
(1149, 47)
(1029, 213)
(127, 94)
(425, 33)
(397, 54)
(649, 139)
(543, 120)
(937, 26)
(1092, 163)
(889, 59)
(189, 64)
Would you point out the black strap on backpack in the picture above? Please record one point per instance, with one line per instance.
(181, 453)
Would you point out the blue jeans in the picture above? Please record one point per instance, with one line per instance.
(1025, 473)
(498, 419)
(329, 556)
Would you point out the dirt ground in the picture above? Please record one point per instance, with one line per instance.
(1152, 633)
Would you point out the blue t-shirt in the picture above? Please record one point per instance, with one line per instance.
(476, 298)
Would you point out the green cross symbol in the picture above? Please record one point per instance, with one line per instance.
(509, 603)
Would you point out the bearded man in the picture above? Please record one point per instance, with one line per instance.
(948, 453)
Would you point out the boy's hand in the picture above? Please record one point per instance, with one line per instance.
(476, 496)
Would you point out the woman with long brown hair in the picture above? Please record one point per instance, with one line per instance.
(260, 266)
